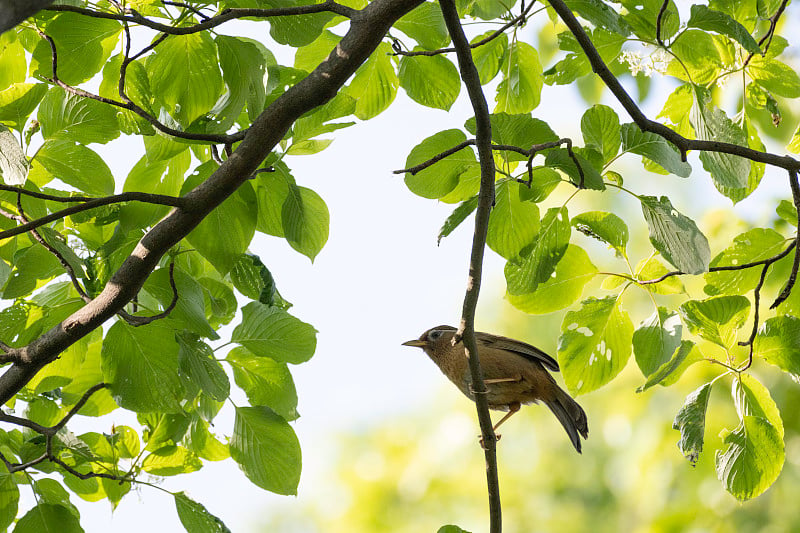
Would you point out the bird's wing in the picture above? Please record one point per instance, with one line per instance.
(521, 348)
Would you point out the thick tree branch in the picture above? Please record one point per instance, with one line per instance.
(645, 124)
(12, 12)
(466, 330)
(366, 31)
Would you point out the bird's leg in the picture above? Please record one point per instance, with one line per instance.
(503, 380)
(512, 408)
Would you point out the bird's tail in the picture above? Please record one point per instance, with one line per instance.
(571, 416)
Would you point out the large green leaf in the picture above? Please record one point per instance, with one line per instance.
(513, 223)
(656, 339)
(442, 177)
(751, 397)
(605, 227)
(155, 176)
(675, 235)
(537, 265)
(265, 381)
(185, 76)
(488, 57)
(563, 287)
(83, 44)
(243, 69)
(305, 220)
(375, 84)
(600, 14)
(226, 232)
(777, 77)
(778, 342)
(190, 308)
(195, 517)
(707, 19)
(18, 102)
(271, 332)
(697, 58)
(655, 148)
(141, 366)
(13, 66)
(560, 159)
(196, 360)
(751, 246)
(416, 73)
(266, 449)
(691, 422)
(600, 128)
(670, 372)
(76, 118)
(74, 164)
(716, 319)
(594, 345)
(425, 25)
(753, 459)
(13, 163)
(48, 517)
(9, 499)
(521, 88)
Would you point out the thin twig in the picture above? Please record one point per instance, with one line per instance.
(466, 330)
(787, 289)
(767, 38)
(158, 199)
(659, 21)
(137, 321)
(756, 303)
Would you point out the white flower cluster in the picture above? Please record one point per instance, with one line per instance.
(637, 62)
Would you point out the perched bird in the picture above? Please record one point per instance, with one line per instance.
(514, 374)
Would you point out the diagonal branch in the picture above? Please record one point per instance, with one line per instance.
(366, 32)
(683, 144)
(466, 330)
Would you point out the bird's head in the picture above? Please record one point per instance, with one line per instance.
(435, 340)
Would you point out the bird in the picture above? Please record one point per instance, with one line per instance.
(515, 373)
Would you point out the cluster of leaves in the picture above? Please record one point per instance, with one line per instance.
(546, 272)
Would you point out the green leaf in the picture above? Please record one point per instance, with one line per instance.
(656, 339)
(559, 158)
(753, 459)
(544, 181)
(375, 84)
(712, 124)
(243, 68)
(76, 118)
(752, 246)
(425, 25)
(155, 176)
(488, 57)
(458, 216)
(521, 88)
(265, 381)
(170, 461)
(226, 232)
(305, 220)
(562, 289)
(778, 342)
(537, 265)
(699, 61)
(716, 319)
(48, 517)
(195, 517)
(513, 223)
(308, 57)
(9, 499)
(13, 66)
(190, 308)
(778, 78)
(652, 268)
(141, 366)
(655, 148)
(13, 163)
(793, 146)
(707, 19)
(196, 360)
(83, 43)
(600, 128)
(594, 345)
(685, 356)
(294, 31)
(271, 332)
(184, 75)
(451, 529)
(50, 491)
(416, 73)
(442, 177)
(753, 398)
(18, 102)
(74, 164)
(266, 449)
(691, 422)
(605, 227)
(675, 235)
(600, 14)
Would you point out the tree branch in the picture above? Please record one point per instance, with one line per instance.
(12, 12)
(466, 330)
(366, 32)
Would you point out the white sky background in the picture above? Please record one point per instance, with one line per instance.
(380, 280)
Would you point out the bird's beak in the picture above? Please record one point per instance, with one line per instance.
(416, 343)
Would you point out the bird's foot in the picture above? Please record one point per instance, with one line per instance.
(483, 444)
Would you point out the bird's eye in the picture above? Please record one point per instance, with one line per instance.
(435, 334)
